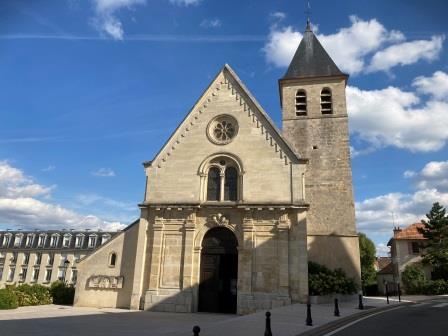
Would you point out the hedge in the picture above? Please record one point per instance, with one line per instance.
(8, 299)
(414, 282)
(62, 293)
(323, 281)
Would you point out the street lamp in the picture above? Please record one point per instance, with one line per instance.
(66, 263)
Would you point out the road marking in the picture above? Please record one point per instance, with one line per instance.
(440, 305)
(361, 319)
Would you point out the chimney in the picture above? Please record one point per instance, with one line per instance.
(397, 230)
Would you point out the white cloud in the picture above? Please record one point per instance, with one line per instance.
(30, 213)
(185, 2)
(211, 23)
(436, 85)
(406, 53)
(393, 117)
(13, 183)
(364, 46)
(48, 168)
(374, 215)
(348, 47)
(106, 21)
(21, 208)
(433, 175)
(103, 172)
(382, 250)
(278, 16)
(281, 46)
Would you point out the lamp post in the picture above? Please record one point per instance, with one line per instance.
(66, 263)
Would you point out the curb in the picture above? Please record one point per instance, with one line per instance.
(331, 326)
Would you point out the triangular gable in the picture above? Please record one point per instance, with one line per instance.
(227, 76)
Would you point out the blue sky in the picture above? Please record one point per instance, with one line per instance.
(90, 89)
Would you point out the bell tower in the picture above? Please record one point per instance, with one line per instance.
(315, 123)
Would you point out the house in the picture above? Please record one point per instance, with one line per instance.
(42, 257)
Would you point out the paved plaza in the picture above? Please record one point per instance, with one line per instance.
(64, 320)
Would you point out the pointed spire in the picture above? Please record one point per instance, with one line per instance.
(311, 59)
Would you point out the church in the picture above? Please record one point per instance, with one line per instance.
(234, 207)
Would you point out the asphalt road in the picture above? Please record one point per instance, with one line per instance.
(428, 318)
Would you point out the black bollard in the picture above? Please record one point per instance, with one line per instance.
(267, 330)
(361, 305)
(399, 293)
(309, 320)
(336, 308)
(196, 330)
(387, 293)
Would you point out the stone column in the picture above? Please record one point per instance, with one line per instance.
(298, 261)
(187, 280)
(157, 228)
(283, 254)
(245, 261)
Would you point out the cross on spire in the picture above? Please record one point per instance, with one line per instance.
(308, 15)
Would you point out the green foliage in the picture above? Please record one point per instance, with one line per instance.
(8, 299)
(323, 281)
(413, 279)
(436, 231)
(415, 282)
(33, 295)
(368, 254)
(62, 293)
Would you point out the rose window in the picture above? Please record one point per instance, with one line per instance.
(222, 129)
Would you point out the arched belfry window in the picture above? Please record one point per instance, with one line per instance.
(222, 179)
(213, 184)
(301, 109)
(326, 104)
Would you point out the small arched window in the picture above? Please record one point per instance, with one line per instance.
(301, 109)
(112, 259)
(213, 184)
(326, 105)
(231, 184)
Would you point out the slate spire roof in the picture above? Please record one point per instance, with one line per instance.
(311, 59)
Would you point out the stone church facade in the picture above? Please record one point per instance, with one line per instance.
(234, 208)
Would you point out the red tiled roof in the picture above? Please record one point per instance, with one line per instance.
(383, 262)
(411, 232)
(389, 269)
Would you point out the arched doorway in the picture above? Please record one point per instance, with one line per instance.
(219, 272)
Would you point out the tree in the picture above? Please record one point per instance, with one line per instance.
(436, 231)
(368, 255)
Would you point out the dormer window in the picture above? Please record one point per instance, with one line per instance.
(105, 238)
(78, 241)
(326, 104)
(301, 108)
(6, 240)
(29, 240)
(66, 241)
(54, 241)
(41, 241)
(92, 241)
(18, 240)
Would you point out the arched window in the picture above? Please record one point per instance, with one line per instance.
(301, 103)
(213, 184)
(326, 105)
(221, 179)
(231, 184)
(112, 259)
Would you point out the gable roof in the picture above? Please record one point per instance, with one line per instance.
(246, 98)
(411, 232)
(311, 59)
